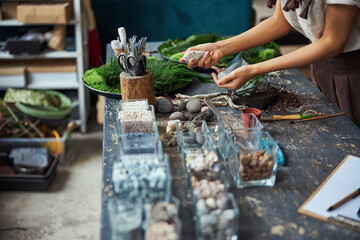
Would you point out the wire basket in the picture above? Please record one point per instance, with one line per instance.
(261, 95)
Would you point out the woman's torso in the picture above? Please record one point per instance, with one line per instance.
(313, 27)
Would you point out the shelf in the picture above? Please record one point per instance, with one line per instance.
(52, 85)
(45, 54)
(14, 22)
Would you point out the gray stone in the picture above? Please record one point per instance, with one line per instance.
(164, 105)
(177, 116)
(194, 106)
(182, 106)
(208, 114)
(189, 116)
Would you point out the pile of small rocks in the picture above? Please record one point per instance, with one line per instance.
(162, 221)
(202, 160)
(215, 211)
(256, 166)
(136, 120)
(140, 176)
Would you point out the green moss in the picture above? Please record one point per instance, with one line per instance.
(94, 80)
(167, 76)
(267, 54)
(176, 56)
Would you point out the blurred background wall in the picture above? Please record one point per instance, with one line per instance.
(160, 20)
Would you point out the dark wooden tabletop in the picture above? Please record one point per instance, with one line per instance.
(312, 151)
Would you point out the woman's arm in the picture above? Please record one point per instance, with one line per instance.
(268, 30)
(339, 22)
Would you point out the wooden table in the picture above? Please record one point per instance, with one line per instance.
(311, 151)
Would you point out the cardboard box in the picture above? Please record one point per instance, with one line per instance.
(8, 10)
(12, 74)
(46, 13)
(52, 73)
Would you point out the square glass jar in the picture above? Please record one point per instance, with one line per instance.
(193, 135)
(254, 159)
(143, 175)
(227, 133)
(125, 215)
(135, 119)
(159, 212)
(220, 222)
(200, 164)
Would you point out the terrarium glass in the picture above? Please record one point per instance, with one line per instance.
(202, 185)
(125, 218)
(253, 160)
(140, 142)
(143, 175)
(193, 135)
(217, 223)
(164, 230)
(163, 211)
(135, 119)
(226, 134)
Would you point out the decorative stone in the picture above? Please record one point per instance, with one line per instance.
(182, 106)
(203, 109)
(196, 55)
(177, 116)
(208, 114)
(169, 139)
(171, 126)
(194, 106)
(164, 105)
(189, 116)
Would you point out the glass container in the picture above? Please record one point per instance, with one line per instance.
(217, 219)
(125, 218)
(253, 160)
(143, 175)
(228, 133)
(135, 119)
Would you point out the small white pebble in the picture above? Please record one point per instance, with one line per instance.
(196, 55)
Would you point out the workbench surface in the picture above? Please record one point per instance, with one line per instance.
(312, 151)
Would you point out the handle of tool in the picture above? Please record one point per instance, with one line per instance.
(290, 117)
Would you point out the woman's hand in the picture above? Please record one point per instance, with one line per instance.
(236, 79)
(212, 55)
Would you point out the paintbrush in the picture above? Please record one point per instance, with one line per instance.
(284, 117)
(314, 118)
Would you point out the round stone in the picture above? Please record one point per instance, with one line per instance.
(194, 106)
(208, 114)
(164, 105)
(203, 109)
(189, 116)
(177, 116)
(182, 106)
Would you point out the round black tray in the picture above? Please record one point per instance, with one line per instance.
(118, 95)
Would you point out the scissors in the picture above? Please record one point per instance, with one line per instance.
(131, 66)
